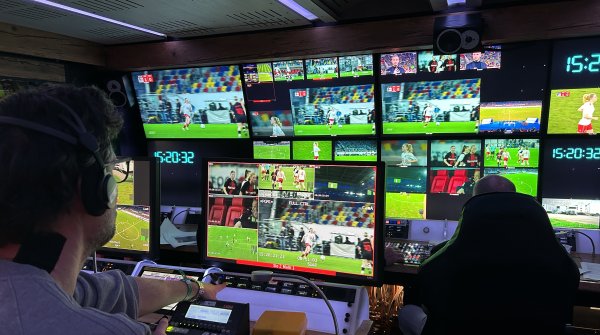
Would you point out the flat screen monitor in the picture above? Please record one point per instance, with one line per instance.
(138, 209)
(322, 68)
(356, 66)
(429, 107)
(516, 159)
(489, 59)
(201, 102)
(318, 150)
(396, 64)
(428, 62)
(296, 221)
(571, 180)
(356, 150)
(510, 117)
(272, 150)
(404, 152)
(571, 111)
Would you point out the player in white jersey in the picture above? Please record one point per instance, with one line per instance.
(427, 114)
(186, 111)
(280, 178)
(330, 117)
(505, 158)
(526, 155)
(587, 114)
(301, 178)
(309, 240)
(316, 150)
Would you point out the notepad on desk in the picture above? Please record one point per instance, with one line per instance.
(590, 271)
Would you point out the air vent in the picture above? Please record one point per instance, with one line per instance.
(261, 19)
(36, 13)
(100, 6)
(8, 4)
(179, 26)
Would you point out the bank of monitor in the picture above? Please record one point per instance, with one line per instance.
(199, 102)
(327, 96)
(138, 210)
(314, 218)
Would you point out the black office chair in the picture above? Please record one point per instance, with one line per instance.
(502, 272)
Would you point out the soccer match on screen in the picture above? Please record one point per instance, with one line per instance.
(132, 230)
(510, 117)
(356, 66)
(405, 189)
(205, 102)
(525, 179)
(337, 110)
(444, 106)
(514, 152)
(572, 111)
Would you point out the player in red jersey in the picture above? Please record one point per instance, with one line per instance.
(239, 114)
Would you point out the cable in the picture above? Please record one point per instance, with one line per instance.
(591, 240)
(265, 276)
(176, 215)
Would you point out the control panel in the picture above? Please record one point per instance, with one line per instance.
(106, 264)
(210, 317)
(410, 252)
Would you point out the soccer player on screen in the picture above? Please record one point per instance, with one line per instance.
(296, 183)
(280, 178)
(587, 109)
(330, 117)
(450, 157)
(302, 178)
(276, 123)
(499, 156)
(526, 155)
(186, 111)
(230, 185)
(476, 64)
(505, 158)
(395, 69)
(407, 155)
(427, 114)
(309, 240)
(239, 114)
(520, 155)
(487, 151)
(433, 65)
(316, 150)
(365, 247)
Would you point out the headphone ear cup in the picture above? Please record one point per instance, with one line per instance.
(98, 190)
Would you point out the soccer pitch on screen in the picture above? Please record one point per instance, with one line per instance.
(288, 183)
(331, 263)
(176, 130)
(131, 233)
(303, 150)
(357, 158)
(231, 243)
(525, 180)
(125, 194)
(265, 72)
(513, 161)
(405, 205)
(564, 116)
(458, 127)
(510, 113)
(356, 73)
(321, 129)
(272, 151)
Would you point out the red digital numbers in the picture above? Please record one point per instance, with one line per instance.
(145, 78)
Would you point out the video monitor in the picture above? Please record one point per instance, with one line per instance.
(489, 59)
(272, 150)
(398, 63)
(258, 79)
(138, 209)
(356, 150)
(312, 150)
(405, 192)
(512, 153)
(404, 152)
(310, 218)
(525, 179)
(443, 106)
(571, 111)
(509, 117)
(201, 102)
(339, 110)
(570, 169)
(356, 66)
(288, 70)
(322, 68)
(428, 62)
(573, 213)
(458, 153)
(275, 123)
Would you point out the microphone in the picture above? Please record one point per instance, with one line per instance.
(265, 276)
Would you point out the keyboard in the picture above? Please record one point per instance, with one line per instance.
(412, 252)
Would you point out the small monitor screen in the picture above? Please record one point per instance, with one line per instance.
(508, 117)
(573, 213)
(322, 68)
(572, 111)
(317, 218)
(275, 123)
(272, 149)
(312, 150)
(489, 59)
(356, 66)
(428, 62)
(208, 313)
(398, 63)
(404, 152)
(356, 150)
(444, 106)
(288, 70)
(517, 159)
(203, 102)
(405, 192)
(137, 208)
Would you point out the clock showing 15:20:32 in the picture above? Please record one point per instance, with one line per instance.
(581, 63)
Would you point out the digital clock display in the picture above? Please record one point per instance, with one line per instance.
(175, 157)
(576, 153)
(579, 63)
(576, 63)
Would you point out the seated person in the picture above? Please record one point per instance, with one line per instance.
(503, 271)
(57, 198)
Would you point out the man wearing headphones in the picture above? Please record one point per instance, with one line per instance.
(57, 199)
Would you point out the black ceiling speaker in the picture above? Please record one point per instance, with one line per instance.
(458, 33)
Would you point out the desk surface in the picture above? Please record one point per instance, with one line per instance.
(410, 271)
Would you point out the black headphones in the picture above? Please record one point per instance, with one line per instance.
(98, 187)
